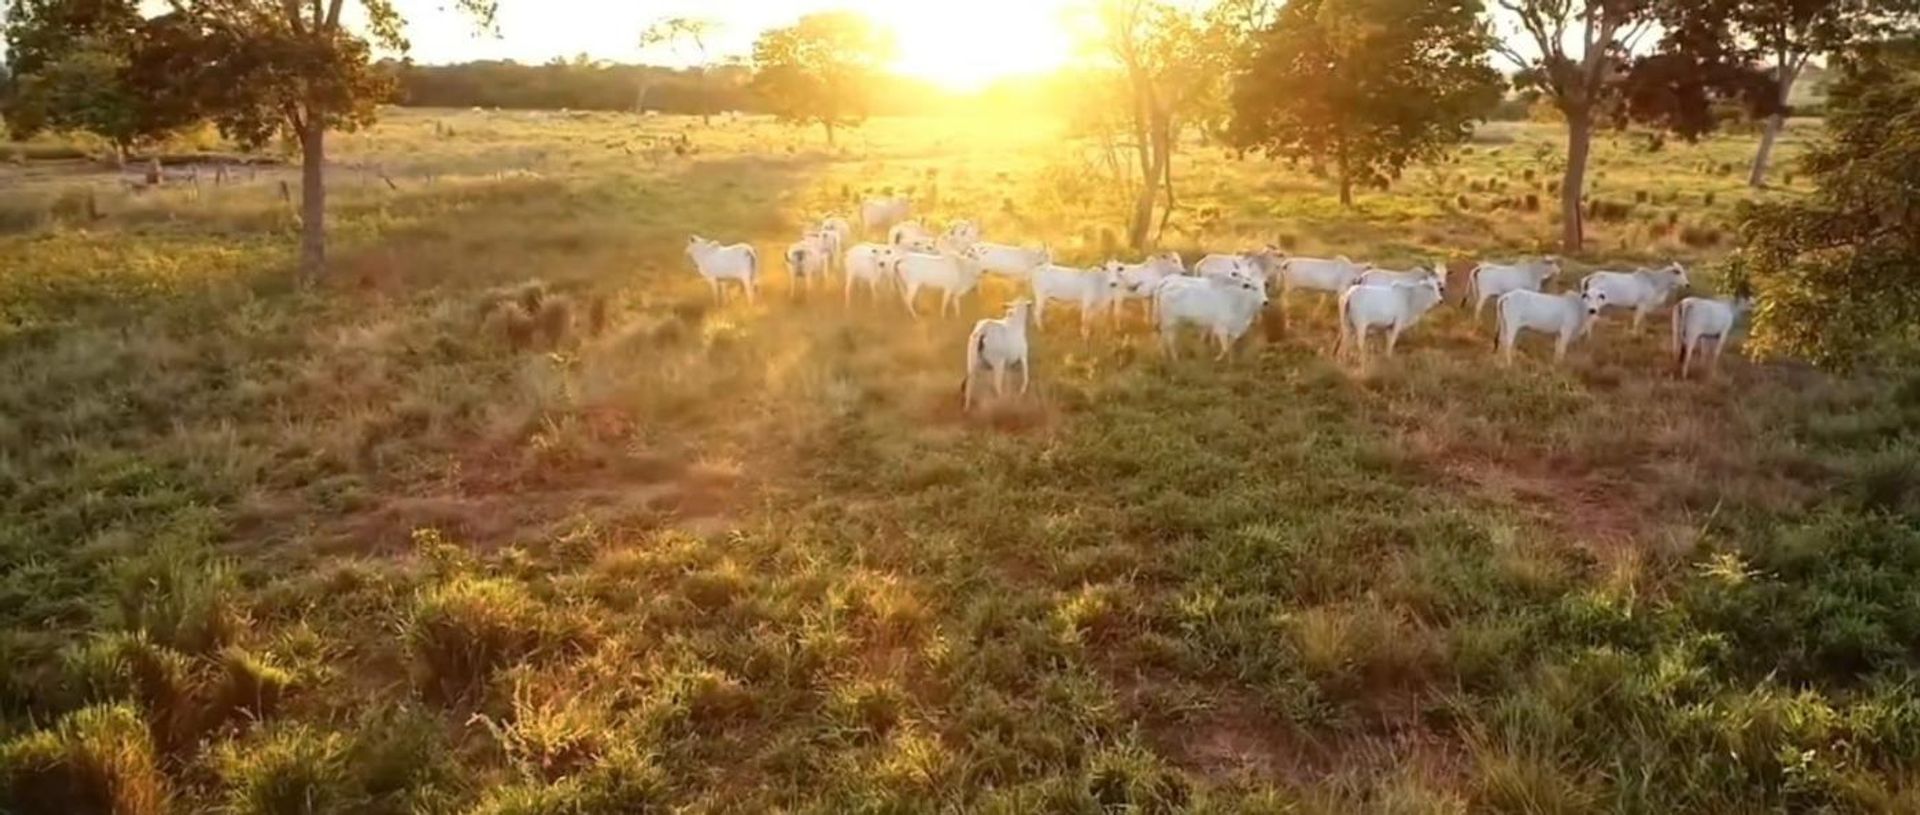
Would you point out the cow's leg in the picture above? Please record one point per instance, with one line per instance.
(908, 294)
(1560, 347)
(1026, 374)
(1713, 367)
(1479, 306)
(1393, 339)
(1639, 318)
(1169, 342)
(1040, 313)
(999, 380)
(713, 284)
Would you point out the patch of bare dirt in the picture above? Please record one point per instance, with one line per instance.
(1581, 507)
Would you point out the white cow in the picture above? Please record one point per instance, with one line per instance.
(909, 232)
(1333, 276)
(1395, 307)
(1261, 264)
(840, 233)
(717, 263)
(877, 215)
(953, 275)
(1016, 262)
(1643, 290)
(962, 234)
(1490, 280)
(1389, 277)
(1699, 318)
(998, 345)
(1562, 315)
(1223, 305)
(1090, 288)
(808, 260)
(869, 263)
(1138, 281)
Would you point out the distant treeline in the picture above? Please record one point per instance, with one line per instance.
(587, 85)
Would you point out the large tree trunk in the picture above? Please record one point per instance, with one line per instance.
(313, 201)
(1579, 146)
(1346, 175)
(1786, 73)
(1160, 154)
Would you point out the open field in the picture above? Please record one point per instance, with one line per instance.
(346, 550)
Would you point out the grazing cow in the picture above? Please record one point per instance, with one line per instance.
(839, 233)
(953, 275)
(1261, 264)
(909, 232)
(1643, 290)
(1224, 305)
(869, 263)
(1395, 307)
(1090, 288)
(1490, 280)
(877, 215)
(717, 263)
(1700, 318)
(1562, 315)
(808, 260)
(1017, 262)
(1138, 281)
(1332, 276)
(998, 345)
(1389, 277)
(962, 234)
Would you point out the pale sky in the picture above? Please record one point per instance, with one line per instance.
(964, 43)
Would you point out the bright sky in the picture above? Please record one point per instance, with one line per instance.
(962, 44)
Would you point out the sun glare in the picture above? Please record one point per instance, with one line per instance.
(966, 45)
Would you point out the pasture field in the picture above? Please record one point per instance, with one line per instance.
(266, 549)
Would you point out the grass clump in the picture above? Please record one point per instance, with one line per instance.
(97, 761)
(179, 598)
(289, 770)
(463, 630)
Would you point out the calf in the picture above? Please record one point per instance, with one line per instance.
(838, 233)
(1016, 262)
(717, 263)
(953, 275)
(998, 345)
(1138, 281)
(1562, 315)
(1700, 318)
(1332, 276)
(1223, 305)
(1490, 280)
(1395, 307)
(877, 215)
(869, 263)
(1090, 288)
(1642, 291)
(808, 260)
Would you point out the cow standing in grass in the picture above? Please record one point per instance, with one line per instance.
(717, 264)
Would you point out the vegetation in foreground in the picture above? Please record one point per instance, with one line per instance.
(262, 549)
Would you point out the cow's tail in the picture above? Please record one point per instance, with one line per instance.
(1679, 325)
(1499, 318)
(1346, 325)
(976, 348)
(1473, 285)
(753, 264)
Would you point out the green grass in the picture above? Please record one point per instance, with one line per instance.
(354, 549)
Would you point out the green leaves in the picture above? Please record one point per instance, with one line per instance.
(820, 69)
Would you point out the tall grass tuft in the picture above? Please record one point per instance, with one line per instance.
(463, 630)
(179, 599)
(291, 770)
(96, 761)
(126, 666)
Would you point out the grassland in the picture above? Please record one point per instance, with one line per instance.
(345, 549)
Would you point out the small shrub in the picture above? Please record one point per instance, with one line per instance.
(464, 630)
(96, 761)
(1531, 202)
(1708, 198)
(1462, 202)
(292, 770)
(248, 684)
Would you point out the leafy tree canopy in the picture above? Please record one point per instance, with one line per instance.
(820, 69)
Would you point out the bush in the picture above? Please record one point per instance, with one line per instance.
(96, 761)
(292, 770)
(625, 783)
(464, 630)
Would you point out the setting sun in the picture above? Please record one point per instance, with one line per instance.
(966, 45)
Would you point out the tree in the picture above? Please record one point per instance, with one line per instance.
(674, 32)
(280, 67)
(94, 66)
(1837, 273)
(1172, 64)
(1579, 48)
(820, 69)
(1366, 85)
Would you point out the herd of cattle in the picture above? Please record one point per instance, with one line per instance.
(1222, 294)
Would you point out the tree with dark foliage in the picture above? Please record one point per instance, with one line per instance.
(821, 69)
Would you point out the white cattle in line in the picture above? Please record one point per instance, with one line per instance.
(1395, 307)
(869, 263)
(717, 263)
(1224, 305)
(1089, 288)
(1138, 281)
(1333, 276)
(1643, 290)
(1008, 261)
(953, 275)
(877, 215)
(808, 260)
(840, 233)
(1563, 315)
(998, 345)
(909, 232)
(1700, 318)
(1262, 264)
(1490, 280)
(1388, 277)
